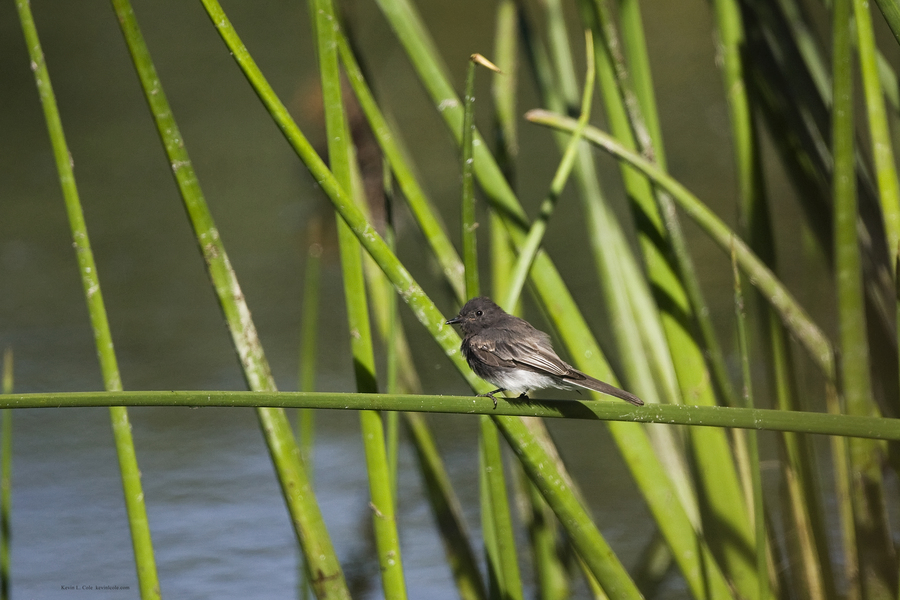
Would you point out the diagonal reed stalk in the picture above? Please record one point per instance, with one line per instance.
(148, 580)
(882, 147)
(324, 571)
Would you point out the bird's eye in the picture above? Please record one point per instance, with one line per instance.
(478, 313)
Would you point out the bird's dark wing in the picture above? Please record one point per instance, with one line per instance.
(485, 351)
(532, 352)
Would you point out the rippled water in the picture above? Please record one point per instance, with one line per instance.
(219, 526)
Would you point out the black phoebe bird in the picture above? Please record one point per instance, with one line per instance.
(508, 352)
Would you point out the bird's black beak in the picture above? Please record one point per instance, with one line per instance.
(456, 319)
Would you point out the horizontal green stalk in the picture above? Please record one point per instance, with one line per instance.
(613, 410)
(791, 313)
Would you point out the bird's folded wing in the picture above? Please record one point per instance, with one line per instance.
(538, 357)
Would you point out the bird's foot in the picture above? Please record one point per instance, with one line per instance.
(522, 396)
(491, 395)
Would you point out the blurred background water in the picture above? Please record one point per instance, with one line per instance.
(219, 524)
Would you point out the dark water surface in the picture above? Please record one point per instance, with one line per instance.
(220, 528)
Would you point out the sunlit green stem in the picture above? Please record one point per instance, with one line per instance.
(148, 579)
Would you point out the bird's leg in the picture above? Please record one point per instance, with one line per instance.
(523, 396)
(491, 395)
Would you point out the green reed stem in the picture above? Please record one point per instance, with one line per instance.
(341, 154)
(392, 339)
(145, 562)
(497, 530)
(468, 219)
(857, 389)
(891, 12)
(504, 89)
(324, 570)
(761, 419)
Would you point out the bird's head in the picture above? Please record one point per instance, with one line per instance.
(477, 314)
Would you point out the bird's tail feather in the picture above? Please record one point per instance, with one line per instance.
(605, 388)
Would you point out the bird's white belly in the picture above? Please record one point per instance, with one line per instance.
(520, 381)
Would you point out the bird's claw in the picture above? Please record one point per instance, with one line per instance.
(491, 396)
